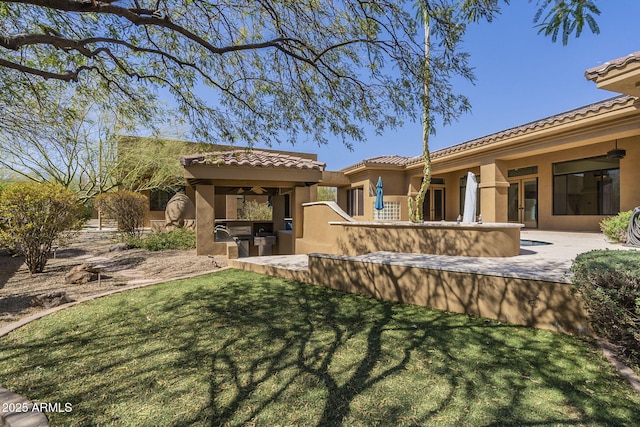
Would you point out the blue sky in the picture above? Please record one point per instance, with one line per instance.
(520, 77)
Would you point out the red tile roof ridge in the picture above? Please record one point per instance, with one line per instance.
(559, 118)
(388, 160)
(595, 107)
(254, 158)
(600, 70)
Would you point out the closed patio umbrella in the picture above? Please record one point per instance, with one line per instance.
(379, 205)
(470, 199)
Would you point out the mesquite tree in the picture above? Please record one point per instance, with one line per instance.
(250, 71)
(244, 71)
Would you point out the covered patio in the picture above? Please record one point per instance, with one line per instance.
(288, 179)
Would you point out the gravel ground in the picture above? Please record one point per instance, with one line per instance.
(18, 288)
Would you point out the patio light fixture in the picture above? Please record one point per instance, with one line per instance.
(616, 153)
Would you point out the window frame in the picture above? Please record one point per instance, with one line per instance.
(156, 205)
(355, 201)
(562, 203)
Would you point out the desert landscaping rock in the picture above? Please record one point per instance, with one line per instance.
(81, 274)
(51, 299)
(18, 288)
(119, 247)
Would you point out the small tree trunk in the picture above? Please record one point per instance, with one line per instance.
(415, 205)
(36, 256)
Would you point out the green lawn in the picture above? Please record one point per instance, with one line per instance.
(237, 348)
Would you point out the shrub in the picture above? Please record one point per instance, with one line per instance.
(609, 284)
(615, 227)
(179, 238)
(327, 194)
(126, 207)
(257, 211)
(35, 215)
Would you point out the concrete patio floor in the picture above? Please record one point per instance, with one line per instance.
(548, 262)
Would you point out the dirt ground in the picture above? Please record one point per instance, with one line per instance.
(118, 268)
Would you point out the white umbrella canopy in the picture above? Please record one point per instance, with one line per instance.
(470, 198)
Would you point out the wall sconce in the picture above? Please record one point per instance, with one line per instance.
(616, 153)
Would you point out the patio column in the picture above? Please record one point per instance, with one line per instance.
(278, 210)
(300, 195)
(494, 190)
(205, 219)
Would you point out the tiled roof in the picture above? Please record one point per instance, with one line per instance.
(387, 160)
(381, 160)
(594, 108)
(253, 158)
(595, 72)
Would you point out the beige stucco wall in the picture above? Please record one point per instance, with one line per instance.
(493, 176)
(205, 220)
(629, 177)
(395, 185)
(317, 235)
(485, 240)
(532, 303)
(323, 235)
(630, 173)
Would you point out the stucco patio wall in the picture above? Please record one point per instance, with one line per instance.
(328, 229)
(527, 302)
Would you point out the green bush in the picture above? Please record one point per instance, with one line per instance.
(256, 211)
(615, 227)
(126, 207)
(609, 284)
(33, 216)
(327, 194)
(179, 238)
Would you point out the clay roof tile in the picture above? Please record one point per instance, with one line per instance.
(600, 70)
(253, 158)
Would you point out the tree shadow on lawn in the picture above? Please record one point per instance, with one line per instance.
(291, 346)
(269, 353)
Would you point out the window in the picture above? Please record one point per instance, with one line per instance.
(327, 194)
(355, 201)
(391, 212)
(158, 198)
(531, 170)
(586, 187)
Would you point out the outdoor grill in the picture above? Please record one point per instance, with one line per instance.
(241, 234)
(245, 238)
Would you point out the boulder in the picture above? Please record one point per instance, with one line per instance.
(81, 274)
(52, 299)
(119, 247)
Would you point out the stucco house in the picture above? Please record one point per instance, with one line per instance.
(563, 172)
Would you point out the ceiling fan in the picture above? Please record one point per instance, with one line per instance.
(255, 190)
